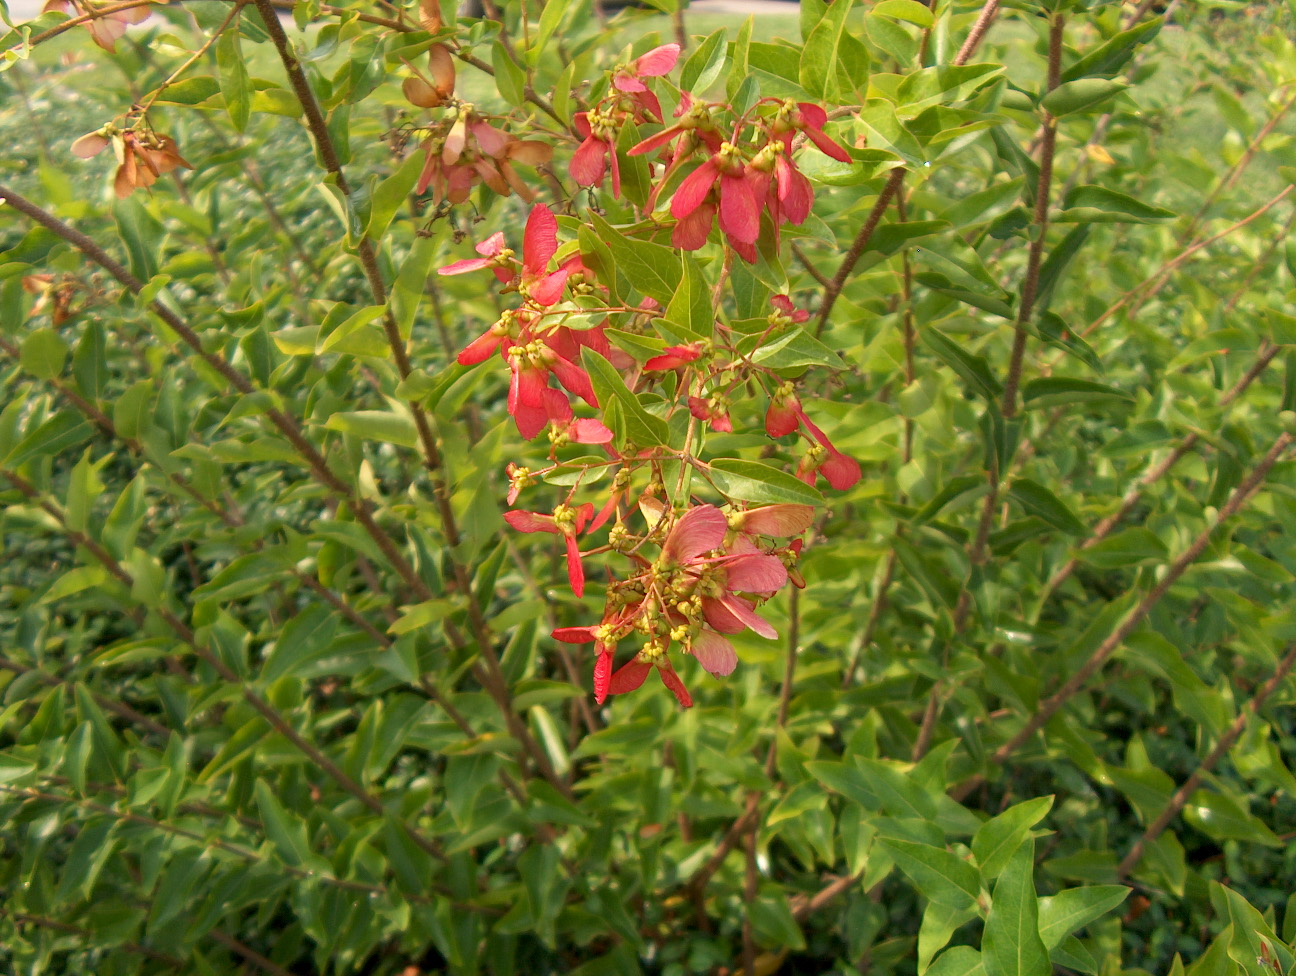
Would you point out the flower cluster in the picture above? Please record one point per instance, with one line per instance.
(463, 148)
(714, 565)
(629, 101)
(710, 574)
(142, 155)
(533, 349)
(750, 172)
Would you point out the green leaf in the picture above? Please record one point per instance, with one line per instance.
(1011, 945)
(43, 354)
(690, 308)
(1073, 908)
(641, 427)
(1099, 205)
(753, 481)
(190, 91)
(886, 131)
(391, 194)
(1129, 547)
(1222, 818)
(510, 79)
(131, 410)
(738, 70)
(846, 780)
(1081, 95)
(1038, 500)
(705, 64)
(998, 839)
(1112, 54)
(85, 859)
(90, 361)
(551, 18)
(141, 234)
(653, 269)
(376, 425)
(236, 85)
(958, 961)
(820, 57)
(952, 489)
(972, 369)
(901, 796)
(353, 334)
(910, 11)
(306, 637)
(773, 922)
(1053, 391)
(62, 432)
(793, 349)
(287, 834)
(939, 875)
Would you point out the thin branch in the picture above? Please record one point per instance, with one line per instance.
(978, 32)
(1236, 170)
(1173, 263)
(858, 248)
(1030, 284)
(1230, 736)
(285, 424)
(260, 705)
(1154, 474)
(490, 674)
(1080, 677)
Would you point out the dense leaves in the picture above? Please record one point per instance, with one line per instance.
(912, 401)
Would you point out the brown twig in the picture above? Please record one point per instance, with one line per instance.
(1154, 474)
(1181, 795)
(1078, 679)
(858, 247)
(490, 673)
(978, 32)
(1173, 263)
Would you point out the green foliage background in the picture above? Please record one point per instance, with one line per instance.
(319, 777)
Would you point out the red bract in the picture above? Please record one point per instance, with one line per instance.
(104, 28)
(567, 522)
(780, 521)
(632, 674)
(714, 411)
(785, 416)
(495, 255)
(589, 164)
(841, 471)
(657, 62)
(539, 242)
(785, 312)
(740, 192)
(808, 118)
(435, 91)
(673, 357)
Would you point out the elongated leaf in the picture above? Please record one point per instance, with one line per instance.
(1073, 908)
(641, 427)
(1012, 945)
(1038, 500)
(755, 482)
(940, 875)
(997, 840)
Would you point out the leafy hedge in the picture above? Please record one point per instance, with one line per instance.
(947, 344)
